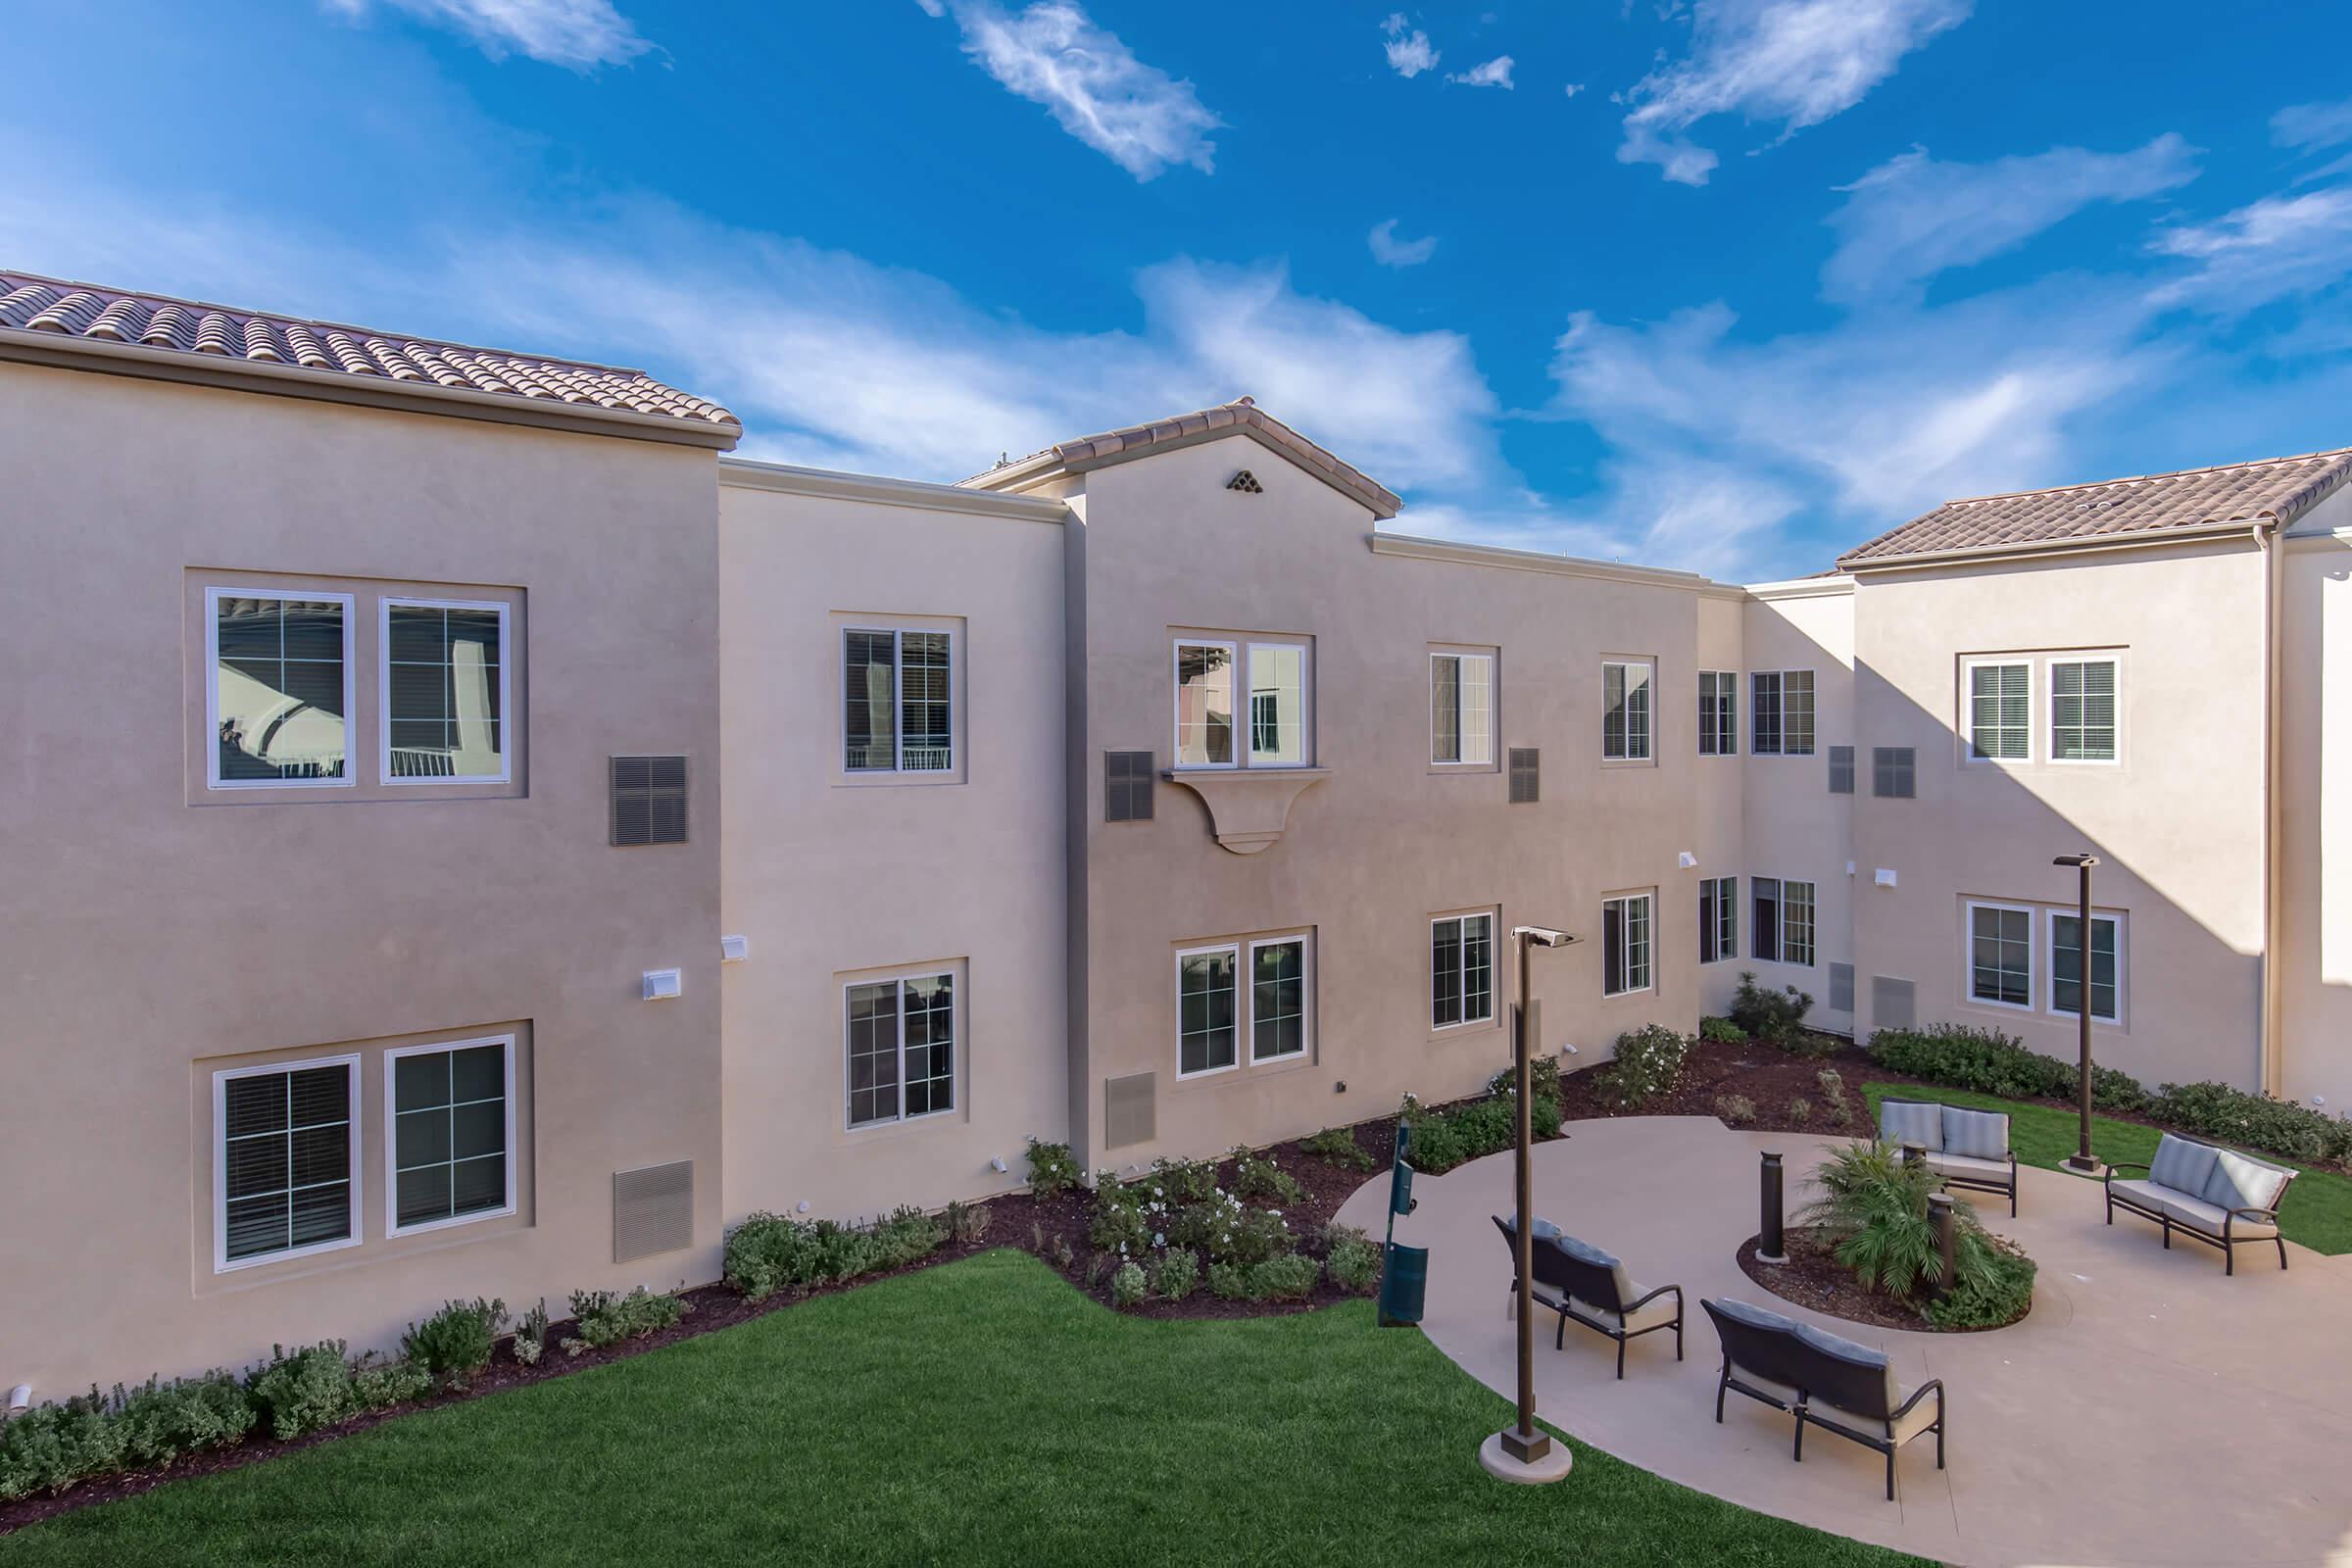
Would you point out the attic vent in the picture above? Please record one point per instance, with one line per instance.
(1127, 1109)
(1246, 483)
(1526, 775)
(1894, 1004)
(649, 801)
(653, 1210)
(1842, 988)
(1127, 786)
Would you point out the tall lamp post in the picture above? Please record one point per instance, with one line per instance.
(1525, 1451)
(2083, 1159)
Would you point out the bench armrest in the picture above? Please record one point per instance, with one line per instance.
(2269, 1216)
(1635, 1307)
(2115, 1166)
(1931, 1386)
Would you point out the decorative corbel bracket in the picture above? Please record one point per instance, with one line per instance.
(1248, 807)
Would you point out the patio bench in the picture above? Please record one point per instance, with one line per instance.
(1582, 1283)
(1966, 1147)
(1824, 1379)
(2218, 1196)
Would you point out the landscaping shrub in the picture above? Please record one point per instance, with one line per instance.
(530, 1335)
(1351, 1259)
(1736, 1110)
(1258, 1176)
(1875, 1206)
(1338, 1146)
(2000, 1295)
(161, 1421)
(1224, 1230)
(1776, 1017)
(1052, 1168)
(1128, 1285)
(771, 1253)
(1284, 1279)
(1992, 1063)
(51, 1446)
(302, 1392)
(1229, 1281)
(1648, 1061)
(967, 1223)
(1124, 1215)
(455, 1343)
(1722, 1030)
(1177, 1273)
(380, 1385)
(1184, 1181)
(1800, 1111)
(607, 1318)
(1542, 1072)
(2232, 1115)
(1833, 1094)
(1442, 1139)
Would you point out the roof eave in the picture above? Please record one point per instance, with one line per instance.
(60, 351)
(2144, 539)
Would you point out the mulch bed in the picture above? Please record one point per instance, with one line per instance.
(1813, 1277)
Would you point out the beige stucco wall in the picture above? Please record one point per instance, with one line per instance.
(1371, 853)
(2315, 863)
(829, 876)
(149, 941)
(2178, 825)
(1719, 829)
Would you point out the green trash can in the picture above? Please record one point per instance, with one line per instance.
(1403, 1285)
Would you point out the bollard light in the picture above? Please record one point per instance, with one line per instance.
(1771, 1246)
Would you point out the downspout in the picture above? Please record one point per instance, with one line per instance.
(2274, 838)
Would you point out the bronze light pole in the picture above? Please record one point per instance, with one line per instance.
(1527, 1443)
(2083, 1159)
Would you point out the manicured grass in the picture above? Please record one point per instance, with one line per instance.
(978, 1412)
(2318, 1211)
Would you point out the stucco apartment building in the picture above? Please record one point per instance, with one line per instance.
(493, 840)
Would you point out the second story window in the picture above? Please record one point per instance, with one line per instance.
(2083, 719)
(1625, 711)
(445, 691)
(1462, 709)
(1782, 722)
(1271, 730)
(1718, 712)
(898, 700)
(280, 688)
(2001, 723)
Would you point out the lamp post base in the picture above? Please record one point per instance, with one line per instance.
(2082, 1164)
(1550, 1462)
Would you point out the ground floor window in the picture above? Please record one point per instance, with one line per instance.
(1462, 969)
(902, 1041)
(452, 1126)
(1797, 922)
(1625, 926)
(1207, 1009)
(1718, 918)
(1278, 998)
(286, 1160)
(2106, 972)
(2000, 957)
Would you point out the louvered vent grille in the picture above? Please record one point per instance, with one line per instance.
(649, 801)
(1894, 770)
(1842, 988)
(1841, 770)
(653, 1210)
(1894, 1004)
(1526, 775)
(1127, 779)
(1128, 1109)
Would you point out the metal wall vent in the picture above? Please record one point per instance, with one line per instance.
(1526, 775)
(1842, 988)
(649, 800)
(1894, 1004)
(1246, 483)
(1127, 780)
(653, 1210)
(1128, 1109)
(1841, 770)
(1893, 771)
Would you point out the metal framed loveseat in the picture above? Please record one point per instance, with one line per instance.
(1584, 1283)
(2218, 1196)
(1824, 1379)
(1966, 1147)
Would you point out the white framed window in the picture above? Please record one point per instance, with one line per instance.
(1462, 709)
(1999, 710)
(1783, 927)
(898, 695)
(1718, 918)
(285, 1160)
(448, 1146)
(1205, 676)
(1797, 908)
(1624, 943)
(2106, 964)
(1282, 997)
(1272, 728)
(1625, 709)
(279, 689)
(1277, 705)
(444, 690)
(2085, 694)
(900, 1031)
(1780, 713)
(1462, 971)
(1207, 1009)
(2000, 955)
(1718, 712)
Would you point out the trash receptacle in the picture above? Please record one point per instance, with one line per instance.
(1403, 1285)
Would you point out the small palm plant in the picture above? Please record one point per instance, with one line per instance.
(1875, 1207)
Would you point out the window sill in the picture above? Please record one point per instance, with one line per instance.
(1248, 808)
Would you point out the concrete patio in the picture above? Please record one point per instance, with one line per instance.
(2150, 1411)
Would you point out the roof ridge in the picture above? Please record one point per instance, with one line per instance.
(2146, 478)
(318, 323)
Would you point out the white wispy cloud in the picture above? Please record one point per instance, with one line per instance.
(2266, 250)
(1912, 217)
(1495, 72)
(1408, 50)
(1794, 62)
(579, 35)
(1389, 251)
(1574, 88)
(1052, 53)
(2308, 127)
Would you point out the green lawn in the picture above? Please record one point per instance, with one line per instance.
(979, 1412)
(2318, 1211)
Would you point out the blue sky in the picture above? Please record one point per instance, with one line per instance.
(1725, 284)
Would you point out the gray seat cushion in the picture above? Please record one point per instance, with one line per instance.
(1544, 1229)
(2198, 1215)
(1911, 1424)
(2146, 1195)
(1764, 1385)
(1951, 1164)
(1754, 1316)
(2183, 1165)
(1903, 1121)
(1652, 1314)
(2238, 1182)
(1977, 1133)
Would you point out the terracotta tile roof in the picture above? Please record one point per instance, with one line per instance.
(2272, 490)
(31, 304)
(1242, 415)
